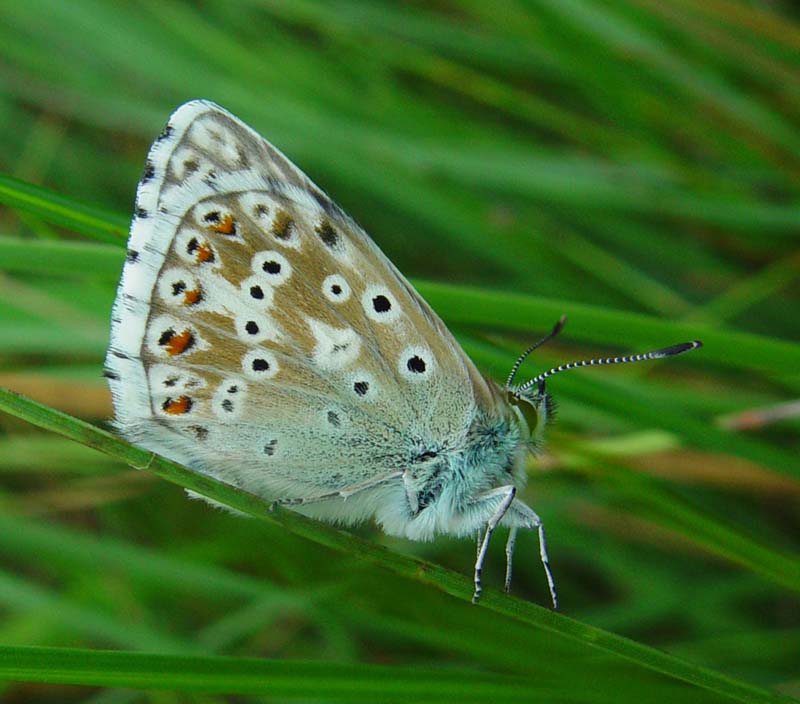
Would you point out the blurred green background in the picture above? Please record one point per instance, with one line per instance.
(635, 164)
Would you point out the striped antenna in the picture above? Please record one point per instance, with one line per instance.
(557, 328)
(656, 354)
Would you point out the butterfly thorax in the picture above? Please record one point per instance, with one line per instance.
(444, 484)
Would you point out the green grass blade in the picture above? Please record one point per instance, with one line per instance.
(466, 305)
(280, 679)
(92, 222)
(23, 595)
(440, 578)
(61, 258)
(534, 315)
(723, 540)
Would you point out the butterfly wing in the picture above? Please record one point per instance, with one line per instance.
(259, 334)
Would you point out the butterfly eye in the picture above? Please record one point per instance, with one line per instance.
(529, 411)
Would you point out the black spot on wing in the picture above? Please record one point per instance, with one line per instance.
(328, 234)
(200, 432)
(260, 365)
(416, 364)
(381, 304)
(149, 172)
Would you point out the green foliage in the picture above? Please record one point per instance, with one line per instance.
(633, 165)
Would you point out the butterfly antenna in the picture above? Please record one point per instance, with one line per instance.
(646, 356)
(557, 328)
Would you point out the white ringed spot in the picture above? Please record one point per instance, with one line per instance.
(257, 292)
(416, 363)
(170, 338)
(228, 400)
(217, 219)
(178, 287)
(254, 328)
(284, 228)
(272, 267)
(260, 364)
(380, 305)
(256, 206)
(194, 248)
(336, 289)
(186, 162)
(362, 385)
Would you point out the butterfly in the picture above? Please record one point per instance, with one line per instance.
(260, 336)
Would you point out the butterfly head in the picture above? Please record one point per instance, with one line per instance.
(533, 410)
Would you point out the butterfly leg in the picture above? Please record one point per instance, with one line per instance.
(525, 516)
(510, 492)
(343, 493)
(512, 539)
(546, 564)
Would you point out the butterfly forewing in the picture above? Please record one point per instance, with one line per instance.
(260, 335)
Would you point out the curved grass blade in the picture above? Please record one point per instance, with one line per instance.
(464, 305)
(445, 580)
(472, 306)
(93, 222)
(280, 679)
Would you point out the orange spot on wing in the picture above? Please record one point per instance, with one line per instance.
(192, 297)
(282, 225)
(226, 226)
(180, 343)
(205, 253)
(177, 406)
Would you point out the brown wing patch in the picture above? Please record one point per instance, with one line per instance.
(334, 357)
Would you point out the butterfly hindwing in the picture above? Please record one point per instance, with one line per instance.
(261, 336)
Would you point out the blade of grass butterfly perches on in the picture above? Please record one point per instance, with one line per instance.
(261, 337)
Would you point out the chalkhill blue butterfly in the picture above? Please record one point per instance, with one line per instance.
(260, 336)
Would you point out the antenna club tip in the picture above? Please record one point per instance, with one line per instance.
(678, 349)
